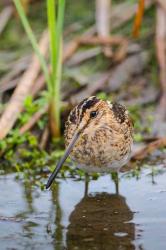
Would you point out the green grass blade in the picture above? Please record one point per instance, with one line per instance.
(57, 99)
(60, 19)
(51, 15)
(33, 41)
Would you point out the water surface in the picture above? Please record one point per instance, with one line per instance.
(63, 218)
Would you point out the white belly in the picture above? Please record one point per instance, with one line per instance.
(113, 166)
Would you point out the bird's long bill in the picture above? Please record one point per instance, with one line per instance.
(62, 160)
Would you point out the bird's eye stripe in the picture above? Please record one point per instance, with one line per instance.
(87, 104)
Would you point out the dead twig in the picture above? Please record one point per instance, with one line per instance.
(96, 40)
(113, 79)
(73, 45)
(91, 88)
(148, 96)
(161, 56)
(99, 40)
(138, 18)
(34, 119)
(124, 11)
(70, 49)
(103, 10)
(145, 151)
(39, 85)
(5, 16)
(122, 42)
(74, 27)
(120, 14)
(10, 79)
(16, 102)
(86, 38)
(82, 56)
(159, 128)
(123, 72)
(44, 138)
(10, 85)
(162, 4)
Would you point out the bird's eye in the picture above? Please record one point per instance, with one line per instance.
(93, 114)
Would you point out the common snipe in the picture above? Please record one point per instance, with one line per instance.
(98, 137)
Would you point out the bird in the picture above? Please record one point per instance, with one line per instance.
(98, 137)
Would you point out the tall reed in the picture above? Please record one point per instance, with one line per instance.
(55, 16)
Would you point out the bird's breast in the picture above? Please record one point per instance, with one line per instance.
(93, 148)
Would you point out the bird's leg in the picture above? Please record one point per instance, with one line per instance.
(86, 184)
(115, 179)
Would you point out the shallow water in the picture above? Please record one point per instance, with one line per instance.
(63, 218)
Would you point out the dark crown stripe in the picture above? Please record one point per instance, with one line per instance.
(87, 104)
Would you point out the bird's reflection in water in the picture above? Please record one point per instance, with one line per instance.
(101, 221)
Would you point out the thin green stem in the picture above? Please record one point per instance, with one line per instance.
(52, 33)
(60, 19)
(33, 41)
(57, 86)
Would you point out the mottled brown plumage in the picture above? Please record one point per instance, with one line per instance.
(98, 136)
(105, 140)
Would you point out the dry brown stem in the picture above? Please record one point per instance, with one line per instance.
(91, 88)
(119, 54)
(138, 18)
(124, 11)
(161, 56)
(82, 56)
(120, 14)
(162, 4)
(103, 10)
(26, 82)
(10, 85)
(124, 71)
(144, 152)
(52, 118)
(99, 40)
(70, 49)
(10, 79)
(113, 79)
(5, 16)
(44, 138)
(39, 85)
